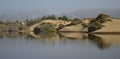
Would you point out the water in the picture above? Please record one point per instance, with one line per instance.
(59, 46)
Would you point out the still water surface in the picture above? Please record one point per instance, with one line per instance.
(59, 46)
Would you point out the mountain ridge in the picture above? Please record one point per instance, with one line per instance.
(82, 13)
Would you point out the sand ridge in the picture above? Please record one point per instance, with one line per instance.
(113, 26)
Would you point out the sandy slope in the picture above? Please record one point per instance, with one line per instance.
(73, 28)
(113, 26)
(56, 22)
(76, 28)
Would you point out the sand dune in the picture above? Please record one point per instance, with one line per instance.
(56, 22)
(74, 28)
(113, 26)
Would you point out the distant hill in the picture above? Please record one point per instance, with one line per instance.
(6, 17)
(86, 13)
(21, 15)
(83, 13)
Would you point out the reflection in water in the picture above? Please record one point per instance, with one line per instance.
(1, 35)
(102, 41)
(12, 35)
(74, 35)
(14, 45)
(98, 41)
(111, 39)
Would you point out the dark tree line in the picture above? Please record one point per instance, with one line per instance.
(55, 17)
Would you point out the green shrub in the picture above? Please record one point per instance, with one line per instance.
(75, 22)
(63, 18)
(96, 23)
(47, 27)
(93, 26)
(60, 26)
(49, 17)
(31, 22)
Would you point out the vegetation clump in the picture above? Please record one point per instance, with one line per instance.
(31, 22)
(93, 25)
(45, 27)
(75, 22)
(63, 18)
(96, 23)
(49, 17)
(53, 17)
(60, 27)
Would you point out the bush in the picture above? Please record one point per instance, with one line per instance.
(31, 22)
(63, 18)
(49, 17)
(75, 22)
(102, 18)
(94, 26)
(96, 23)
(47, 27)
(60, 26)
(84, 25)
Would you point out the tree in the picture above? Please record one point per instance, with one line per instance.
(31, 22)
(60, 26)
(93, 26)
(96, 24)
(49, 17)
(47, 27)
(43, 18)
(64, 17)
(60, 18)
(102, 18)
(53, 17)
(76, 19)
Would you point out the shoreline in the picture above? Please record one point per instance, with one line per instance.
(102, 33)
(115, 33)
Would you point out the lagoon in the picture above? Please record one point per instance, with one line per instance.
(15, 45)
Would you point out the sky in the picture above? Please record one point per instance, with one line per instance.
(57, 6)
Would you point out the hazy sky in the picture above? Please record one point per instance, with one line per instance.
(57, 6)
